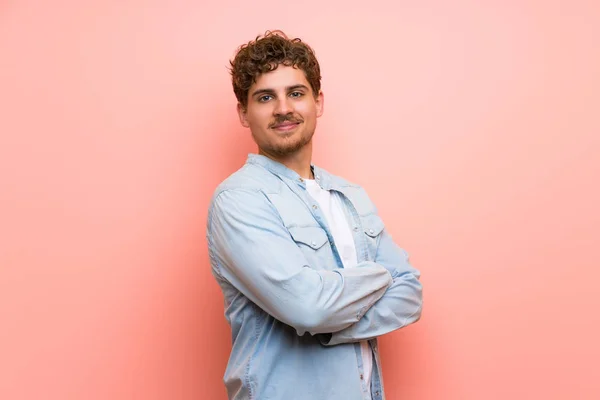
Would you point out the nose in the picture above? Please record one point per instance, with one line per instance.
(283, 106)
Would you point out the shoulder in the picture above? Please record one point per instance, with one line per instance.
(244, 191)
(355, 192)
(336, 180)
(249, 179)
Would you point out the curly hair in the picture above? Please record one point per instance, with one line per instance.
(265, 54)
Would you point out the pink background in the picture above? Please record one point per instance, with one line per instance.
(474, 126)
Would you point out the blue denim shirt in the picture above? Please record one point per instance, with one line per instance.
(296, 315)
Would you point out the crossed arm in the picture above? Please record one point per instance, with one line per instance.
(250, 248)
(399, 306)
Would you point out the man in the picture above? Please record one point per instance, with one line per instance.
(309, 273)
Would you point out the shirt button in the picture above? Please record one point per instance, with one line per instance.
(356, 229)
(361, 377)
(371, 231)
(313, 244)
(315, 206)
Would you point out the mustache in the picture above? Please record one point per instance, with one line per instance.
(280, 119)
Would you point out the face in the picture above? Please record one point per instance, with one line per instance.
(282, 111)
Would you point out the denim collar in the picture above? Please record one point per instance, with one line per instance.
(277, 168)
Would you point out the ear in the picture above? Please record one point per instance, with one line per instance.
(320, 103)
(242, 115)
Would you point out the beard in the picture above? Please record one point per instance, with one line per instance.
(284, 145)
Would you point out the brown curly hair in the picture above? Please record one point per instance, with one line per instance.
(264, 54)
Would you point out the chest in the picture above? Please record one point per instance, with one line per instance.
(334, 229)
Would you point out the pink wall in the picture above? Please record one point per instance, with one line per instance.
(475, 127)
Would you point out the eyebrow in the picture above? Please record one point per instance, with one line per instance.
(271, 91)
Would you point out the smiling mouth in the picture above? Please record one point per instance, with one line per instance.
(286, 126)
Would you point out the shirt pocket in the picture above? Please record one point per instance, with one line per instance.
(373, 227)
(314, 244)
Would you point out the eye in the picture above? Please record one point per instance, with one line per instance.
(264, 98)
(296, 94)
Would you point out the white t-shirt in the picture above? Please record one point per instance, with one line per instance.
(342, 236)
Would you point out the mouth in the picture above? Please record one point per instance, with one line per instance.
(285, 126)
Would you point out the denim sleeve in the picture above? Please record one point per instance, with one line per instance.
(400, 305)
(250, 247)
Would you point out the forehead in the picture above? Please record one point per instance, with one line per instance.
(280, 78)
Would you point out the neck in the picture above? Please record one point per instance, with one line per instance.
(298, 161)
